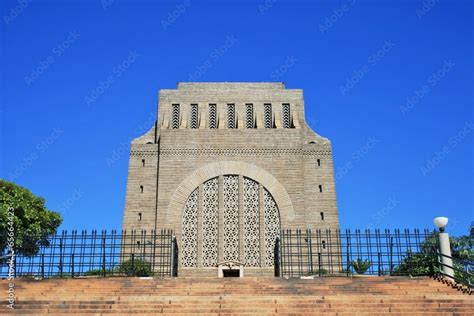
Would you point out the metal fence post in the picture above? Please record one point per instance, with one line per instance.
(42, 266)
(61, 257)
(103, 256)
(277, 258)
(308, 236)
(319, 263)
(72, 265)
(348, 245)
(391, 255)
(174, 257)
(380, 263)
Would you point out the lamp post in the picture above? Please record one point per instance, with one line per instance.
(444, 247)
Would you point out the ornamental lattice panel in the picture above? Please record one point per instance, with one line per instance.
(231, 218)
(267, 111)
(190, 231)
(210, 216)
(194, 116)
(249, 116)
(212, 116)
(251, 224)
(175, 116)
(272, 226)
(286, 116)
(231, 116)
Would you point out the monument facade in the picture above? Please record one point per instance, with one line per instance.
(226, 167)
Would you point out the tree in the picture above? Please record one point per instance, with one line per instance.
(463, 247)
(33, 223)
(424, 262)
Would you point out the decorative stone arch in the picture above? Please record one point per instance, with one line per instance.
(212, 170)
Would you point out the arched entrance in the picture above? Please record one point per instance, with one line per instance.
(229, 217)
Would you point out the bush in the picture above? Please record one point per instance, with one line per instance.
(321, 271)
(417, 264)
(138, 267)
(346, 271)
(318, 272)
(100, 272)
(361, 266)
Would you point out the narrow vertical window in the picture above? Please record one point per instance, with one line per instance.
(139, 216)
(267, 113)
(193, 120)
(141, 189)
(212, 116)
(249, 115)
(318, 162)
(320, 188)
(322, 215)
(175, 116)
(324, 244)
(143, 162)
(230, 115)
(285, 114)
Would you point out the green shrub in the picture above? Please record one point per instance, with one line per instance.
(346, 271)
(321, 271)
(100, 272)
(137, 267)
(361, 266)
(416, 264)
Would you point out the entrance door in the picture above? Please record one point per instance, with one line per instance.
(228, 273)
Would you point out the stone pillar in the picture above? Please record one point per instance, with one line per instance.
(445, 250)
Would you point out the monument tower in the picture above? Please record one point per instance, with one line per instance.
(226, 167)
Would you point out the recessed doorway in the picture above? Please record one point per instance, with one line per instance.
(231, 273)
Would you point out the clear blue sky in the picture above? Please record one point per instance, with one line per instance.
(389, 82)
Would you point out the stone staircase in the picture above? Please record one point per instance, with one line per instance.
(238, 296)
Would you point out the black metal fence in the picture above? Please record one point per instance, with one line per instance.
(377, 252)
(297, 253)
(74, 254)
